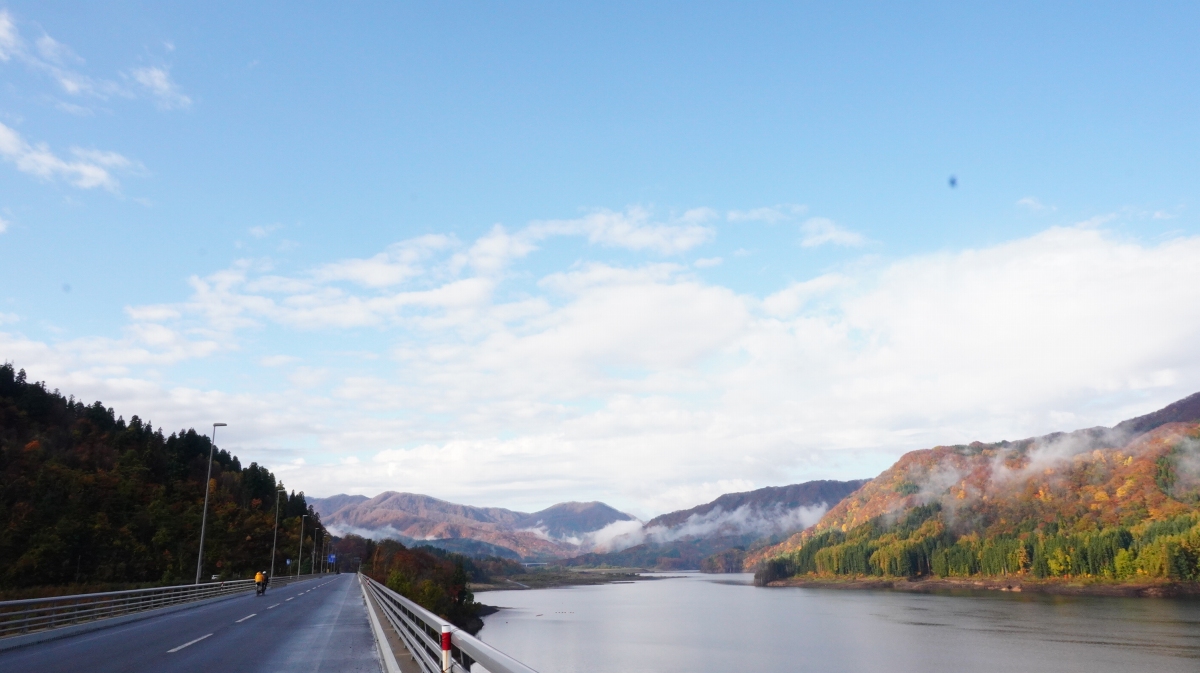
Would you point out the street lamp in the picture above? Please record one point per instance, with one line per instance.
(204, 517)
(300, 554)
(276, 538)
(312, 561)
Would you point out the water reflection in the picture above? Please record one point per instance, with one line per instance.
(707, 623)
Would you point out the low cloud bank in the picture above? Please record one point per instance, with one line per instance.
(745, 520)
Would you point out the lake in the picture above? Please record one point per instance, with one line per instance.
(720, 623)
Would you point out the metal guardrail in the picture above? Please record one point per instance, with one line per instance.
(428, 637)
(39, 614)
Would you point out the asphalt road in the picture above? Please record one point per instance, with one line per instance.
(319, 625)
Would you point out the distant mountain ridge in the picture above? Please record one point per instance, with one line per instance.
(588, 533)
(555, 532)
(681, 540)
(789, 497)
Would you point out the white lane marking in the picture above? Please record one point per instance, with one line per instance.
(275, 606)
(245, 618)
(190, 642)
(292, 598)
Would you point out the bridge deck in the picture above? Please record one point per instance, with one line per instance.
(312, 626)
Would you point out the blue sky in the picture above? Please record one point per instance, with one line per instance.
(643, 252)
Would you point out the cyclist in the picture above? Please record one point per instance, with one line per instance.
(260, 583)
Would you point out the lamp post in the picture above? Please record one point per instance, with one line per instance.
(312, 557)
(204, 517)
(300, 554)
(275, 539)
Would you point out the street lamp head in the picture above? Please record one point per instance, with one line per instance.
(218, 425)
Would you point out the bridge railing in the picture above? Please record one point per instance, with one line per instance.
(437, 645)
(38, 614)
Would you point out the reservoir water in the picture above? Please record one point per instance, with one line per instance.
(720, 623)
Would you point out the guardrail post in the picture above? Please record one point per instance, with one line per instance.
(445, 648)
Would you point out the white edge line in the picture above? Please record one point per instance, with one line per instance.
(191, 642)
(245, 618)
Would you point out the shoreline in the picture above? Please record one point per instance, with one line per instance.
(549, 579)
(1057, 587)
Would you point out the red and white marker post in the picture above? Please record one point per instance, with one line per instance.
(445, 648)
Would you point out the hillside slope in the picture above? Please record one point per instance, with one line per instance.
(1104, 502)
(89, 499)
(681, 540)
(555, 532)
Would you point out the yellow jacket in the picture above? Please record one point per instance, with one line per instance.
(258, 577)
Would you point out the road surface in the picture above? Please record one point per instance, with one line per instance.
(319, 625)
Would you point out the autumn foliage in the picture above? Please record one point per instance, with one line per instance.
(435, 579)
(90, 500)
(1091, 504)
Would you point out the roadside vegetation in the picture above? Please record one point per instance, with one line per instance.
(90, 501)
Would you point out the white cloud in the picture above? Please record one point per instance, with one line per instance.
(157, 81)
(10, 39)
(52, 50)
(634, 229)
(707, 262)
(788, 301)
(770, 214)
(263, 231)
(77, 110)
(89, 169)
(57, 61)
(819, 231)
(152, 313)
(646, 386)
(3, 225)
(102, 158)
(1033, 205)
(400, 262)
(494, 251)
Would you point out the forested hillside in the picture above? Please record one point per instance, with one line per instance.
(88, 498)
(434, 578)
(1118, 505)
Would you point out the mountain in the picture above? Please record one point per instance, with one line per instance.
(761, 504)
(681, 540)
(334, 503)
(555, 532)
(1116, 503)
(573, 519)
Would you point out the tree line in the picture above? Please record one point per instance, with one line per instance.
(435, 579)
(921, 545)
(89, 499)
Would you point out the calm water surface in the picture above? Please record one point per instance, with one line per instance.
(711, 623)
